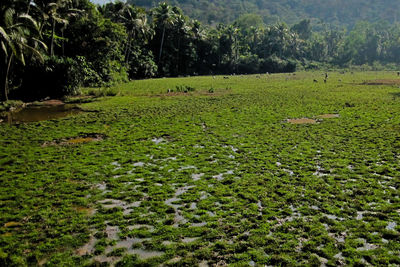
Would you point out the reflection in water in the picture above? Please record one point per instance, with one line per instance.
(41, 113)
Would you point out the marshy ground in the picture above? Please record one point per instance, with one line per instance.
(244, 170)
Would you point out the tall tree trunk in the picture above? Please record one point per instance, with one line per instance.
(128, 48)
(52, 38)
(6, 78)
(178, 54)
(62, 40)
(162, 43)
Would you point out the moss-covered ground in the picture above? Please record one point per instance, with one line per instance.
(215, 176)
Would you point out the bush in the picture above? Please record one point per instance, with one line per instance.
(141, 64)
(275, 64)
(55, 78)
(249, 64)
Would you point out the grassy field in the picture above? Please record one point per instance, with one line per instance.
(214, 176)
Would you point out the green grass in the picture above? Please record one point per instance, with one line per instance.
(215, 176)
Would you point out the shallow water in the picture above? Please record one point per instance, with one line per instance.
(145, 254)
(391, 226)
(41, 113)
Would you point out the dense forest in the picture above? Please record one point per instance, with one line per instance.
(53, 47)
(336, 12)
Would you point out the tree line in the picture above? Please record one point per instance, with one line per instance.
(52, 47)
(335, 12)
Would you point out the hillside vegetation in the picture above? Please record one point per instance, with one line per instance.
(338, 12)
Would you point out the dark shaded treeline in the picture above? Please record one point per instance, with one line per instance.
(51, 47)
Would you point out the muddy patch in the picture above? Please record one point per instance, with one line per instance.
(33, 113)
(383, 82)
(302, 121)
(12, 224)
(328, 116)
(85, 210)
(82, 139)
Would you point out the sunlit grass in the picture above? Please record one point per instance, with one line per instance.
(210, 177)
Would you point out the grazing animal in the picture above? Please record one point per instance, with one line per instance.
(398, 73)
(315, 81)
(226, 77)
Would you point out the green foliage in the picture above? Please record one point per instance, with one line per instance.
(62, 75)
(341, 12)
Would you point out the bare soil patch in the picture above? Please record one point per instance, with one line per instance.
(86, 138)
(328, 116)
(302, 121)
(383, 82)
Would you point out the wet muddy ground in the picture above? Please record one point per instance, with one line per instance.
(209, 180)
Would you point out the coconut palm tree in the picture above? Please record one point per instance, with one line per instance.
(53, 12)
(19, 37)
(135, 21)
(163, 17)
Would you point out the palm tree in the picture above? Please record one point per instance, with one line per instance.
(135, 22)
(164, 17)
(19, 34)
(53, 12)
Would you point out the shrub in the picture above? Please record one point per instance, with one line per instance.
(276, 64)
(54, 78)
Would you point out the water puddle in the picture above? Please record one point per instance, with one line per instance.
(145, 254)
(197, 176)
(179, 219)
(367, 246)
(220, 176)
(162, 139)
(174, 260)
(88, 248)
(112, 232)
(391, 226)
(199, 224)
(189, 239)
(183, 190)
(114, 203)
(40, 113)
(333, 217)
(172, 200)
(302, 121)
(127, 243)
(360, 215)
(138, 164)
(187, 168)
(150, 228)
(101, 186)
